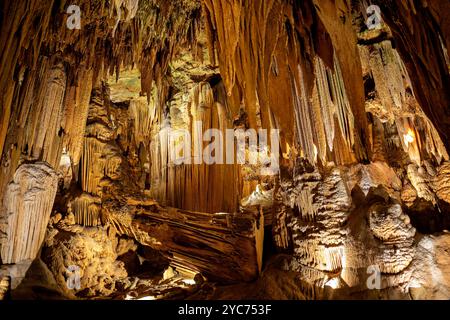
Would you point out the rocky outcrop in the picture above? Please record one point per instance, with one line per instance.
(83, 260)
(222, 247)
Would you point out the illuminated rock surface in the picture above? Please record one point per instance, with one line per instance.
(93, 205)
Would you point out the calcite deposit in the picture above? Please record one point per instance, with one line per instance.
(224, 149)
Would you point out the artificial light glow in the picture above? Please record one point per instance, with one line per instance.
(409, 137)
(148, 298)
(315, 152)
(287, 154)
(333, 283)
(190, 282)
(128, 297)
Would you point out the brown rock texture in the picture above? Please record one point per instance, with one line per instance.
(100, 198)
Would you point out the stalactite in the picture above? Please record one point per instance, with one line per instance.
(305, 134)
(75, 114)
(86, 210)
(334, 16)
(306, 205)
(344, 113)
(92, 165)
(47, 126)
(327, 107)
(159, 37)
(316, 117)
(12, 45)
(237, 55)
(390, 76)
(99, 160)
(75, 61)
(433, 144)
(196, 186)
(395, 101)
(410, 23)
(241, 63)
(39, 117)
(143, 115)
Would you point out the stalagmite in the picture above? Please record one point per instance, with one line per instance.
(29, 201)
(320, 248)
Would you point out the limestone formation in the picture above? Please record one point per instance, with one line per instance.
(116, 177)
(29, 200)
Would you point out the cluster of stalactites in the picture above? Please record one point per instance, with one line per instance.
(143, 115)
(271, 44)
(86, 210)
(194, 185)
(420, 140)
(165, 28)
(324, 121)
(111, 35)
(394, 101)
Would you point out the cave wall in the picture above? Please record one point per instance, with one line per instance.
(424, 53)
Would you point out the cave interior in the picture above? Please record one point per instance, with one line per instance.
(224, 149)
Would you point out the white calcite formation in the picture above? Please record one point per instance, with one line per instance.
(28, 205)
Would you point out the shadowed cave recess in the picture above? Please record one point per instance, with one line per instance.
(93, 207)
